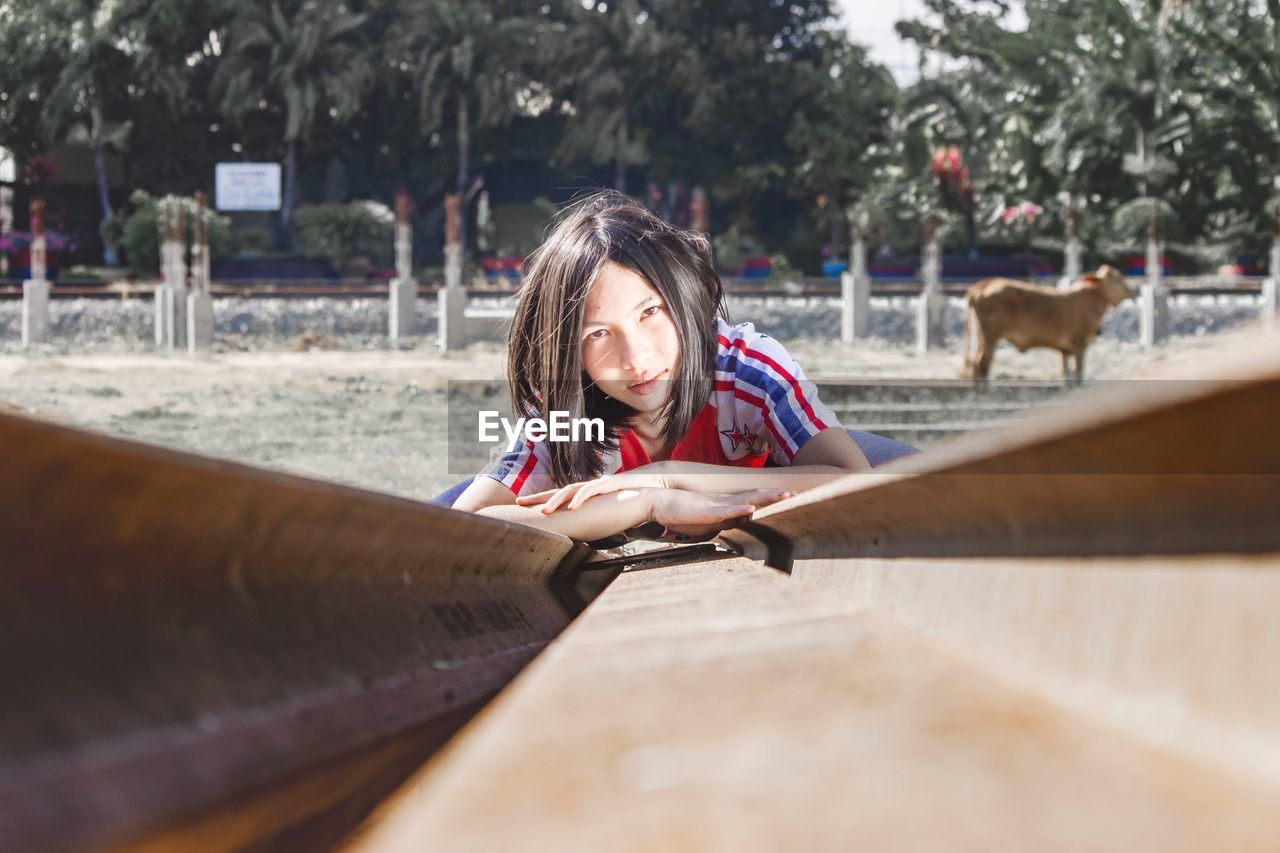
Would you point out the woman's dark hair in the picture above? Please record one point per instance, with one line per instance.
(544, 355)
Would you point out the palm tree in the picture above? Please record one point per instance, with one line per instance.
(467, 62)
(840, 134)
(609, 63)
(307, 59)
(1227, 56)
(77, 55)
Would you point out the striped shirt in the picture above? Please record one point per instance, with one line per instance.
(761, 409)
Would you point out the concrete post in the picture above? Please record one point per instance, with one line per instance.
(1270, 286)
(452, 297)
(200, 299)
(452, 300)
(163, 294)
(35, 312)
(1153, 326)
(402, 317)
(171, 295)
(1073, 267)
(1274, 267)
(35, 290)
(6, 224)
(931, 309)
(163, 311)
(855, 284)
(1072, 264)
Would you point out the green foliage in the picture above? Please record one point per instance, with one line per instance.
(1112, 101)
(303, 62)
(342, 232)
(769, 106)
(728, 248)
(141, 233)
(840, 135)
(782, 271)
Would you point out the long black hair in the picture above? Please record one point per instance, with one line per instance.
(544, 355)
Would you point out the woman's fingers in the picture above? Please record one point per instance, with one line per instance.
(763, 497)
(560, 497)
(602, 486)
(535, 498)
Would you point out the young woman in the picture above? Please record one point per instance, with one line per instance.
(621, 318)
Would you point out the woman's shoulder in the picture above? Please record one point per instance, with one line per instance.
(741, 343)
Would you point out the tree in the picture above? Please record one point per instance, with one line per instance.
(732, 98)
(304, 61)
(840, 135)
(72, 67)
(468, 63)
(608, 69)
(1226, 55)
(1089, 89)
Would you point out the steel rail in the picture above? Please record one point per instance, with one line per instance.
(1057, 636)
(176, 631)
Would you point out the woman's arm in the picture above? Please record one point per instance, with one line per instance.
(680, 511)
(604, 517)
(829, 455)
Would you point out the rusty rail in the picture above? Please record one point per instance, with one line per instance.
(178, 631)
(1058, 636)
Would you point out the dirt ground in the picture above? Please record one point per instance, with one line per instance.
(376, 418)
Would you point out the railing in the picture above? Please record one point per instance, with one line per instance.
(810, 287)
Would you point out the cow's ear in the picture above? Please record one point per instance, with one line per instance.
(1090, 278)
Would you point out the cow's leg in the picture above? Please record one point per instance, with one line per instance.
(972, 334)
(1080, 366)
(1066, 366)
(986, 351)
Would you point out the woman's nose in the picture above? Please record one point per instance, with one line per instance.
(634, 353)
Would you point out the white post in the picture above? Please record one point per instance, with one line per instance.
(35, 312)
(1270, 285)
(200, 300)
(1072, 268)
(1154, 301)
(163, 311)
(35, 290)
(171, 295)
(855, 283)
(452, 300)
(931, 310)
(452, 333)
(199, 321)
(402, 317)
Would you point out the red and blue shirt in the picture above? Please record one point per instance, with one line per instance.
(761, 408)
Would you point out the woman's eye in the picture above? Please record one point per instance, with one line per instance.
(651, 310)
(595, 336)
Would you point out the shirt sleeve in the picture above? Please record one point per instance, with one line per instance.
(788, 411)
(524, 469)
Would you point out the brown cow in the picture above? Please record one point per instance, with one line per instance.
(1029, 316)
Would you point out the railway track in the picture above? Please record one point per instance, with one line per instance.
(1057, 634)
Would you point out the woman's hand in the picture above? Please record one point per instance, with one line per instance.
(694, 514)
(575, 495)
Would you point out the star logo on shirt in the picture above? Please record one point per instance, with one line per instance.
(737, 436)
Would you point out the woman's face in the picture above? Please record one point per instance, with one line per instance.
(629, 344)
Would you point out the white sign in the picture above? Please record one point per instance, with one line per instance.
(246, 186)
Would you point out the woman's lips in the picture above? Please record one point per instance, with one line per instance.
(643, 388)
